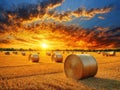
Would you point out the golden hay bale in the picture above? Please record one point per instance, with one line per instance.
(109, 53)
(15, 52)
(104, 53)
(34, 57)
(38, 52)
(7, 53)
(23, 53)
(48, 53)
(80, 66)
(57, 57)
(98, 52)
(82, 52)
(63, 52)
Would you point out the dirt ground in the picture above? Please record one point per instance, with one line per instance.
(17, 73)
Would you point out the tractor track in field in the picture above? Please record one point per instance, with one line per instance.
(27, 65)
(30, 75)
(109, 62)
(16, 66)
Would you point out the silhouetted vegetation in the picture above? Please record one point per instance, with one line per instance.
(76, 50)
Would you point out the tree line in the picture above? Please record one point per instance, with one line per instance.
(81, 50)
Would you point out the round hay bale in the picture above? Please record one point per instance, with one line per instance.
(82, 52)
(34, 57)
(104, 53)
(80, 66)
(15, 52)
(7, 53)
(72, 52)
(109, 53)
(23, 53)
(38, 52)
(67, 52)
(98, 52)
(63, 52)
(112, 53)
(57, 57)
(48, 53)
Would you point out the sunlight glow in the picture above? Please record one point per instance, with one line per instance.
(44, 45)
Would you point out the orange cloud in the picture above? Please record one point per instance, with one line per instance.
(82, 12)
(101, 17)
(44, 11)
(59, 36)
(102, 28)
(22, 29)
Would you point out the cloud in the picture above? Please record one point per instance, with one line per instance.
(22, 40)
(60, 36)
(64, 16)
(82, 12)
(15, 34)
(4, 41)
(101, 28)
(28, 11)
(50, 4)
(45, 10)
(101, 17)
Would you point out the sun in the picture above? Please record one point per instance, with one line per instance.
(44, 45)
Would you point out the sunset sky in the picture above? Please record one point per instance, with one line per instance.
(60, 24)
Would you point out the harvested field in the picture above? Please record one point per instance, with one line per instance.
(16, 72)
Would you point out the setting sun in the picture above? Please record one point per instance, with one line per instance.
(44, 45)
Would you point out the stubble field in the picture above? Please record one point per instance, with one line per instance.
(18, 73)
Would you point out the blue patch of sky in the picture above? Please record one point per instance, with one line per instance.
(112, 18)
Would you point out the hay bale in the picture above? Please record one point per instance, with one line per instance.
(15, 52)
(72, 52)
(57, 57)
(63, 52)
(109, 53)
(98, 52)
(23, 53)
(7, 53)
(67, 52)
(80, 66)
(104, 53)
(48, 53)
(82, 52)
(34, 57)
(38, 52)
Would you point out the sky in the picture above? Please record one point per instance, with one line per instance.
(61, 24)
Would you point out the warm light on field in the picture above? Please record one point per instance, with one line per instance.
(44, 45)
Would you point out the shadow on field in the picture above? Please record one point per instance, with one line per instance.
(101, 83)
